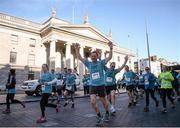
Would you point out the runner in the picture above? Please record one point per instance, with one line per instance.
(86, 84)
(110, 79)
(141, 84)
(97, 83)
(149, 82)
(11, 91)
(129, 77)
(46, 82)
(64, 74)
(166, 87)
(54, 95)
(175, 84)
(70, 87)
(178, 77)
(60, 85)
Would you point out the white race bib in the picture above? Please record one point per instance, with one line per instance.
(109, 79)
(128, 79)
(140, 77)
(164, 83)
(68, 87)
(59, 82)
(146, 82)
(95, 75)
(43, 87)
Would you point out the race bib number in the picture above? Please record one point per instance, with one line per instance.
(109, 79)
(163, 83)
(95, 76)
(128, 79)
(146, 82)
(43, 87)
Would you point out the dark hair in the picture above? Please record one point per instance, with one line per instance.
(94, 52)
(69, 70)
(127, 66)
(46, 66)
(12, 71)
(147, 68)
(112, 63)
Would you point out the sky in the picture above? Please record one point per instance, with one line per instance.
(125, 18)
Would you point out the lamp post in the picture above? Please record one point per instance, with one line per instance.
(147, 39)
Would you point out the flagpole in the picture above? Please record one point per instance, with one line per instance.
(73, 15)
(147, 39)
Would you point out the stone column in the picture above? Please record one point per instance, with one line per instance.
(58, 65)
(69, 58)
(81, 66)
(52, 54)
(103, 54)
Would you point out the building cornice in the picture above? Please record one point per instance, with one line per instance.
(17, 20)
(20, 28)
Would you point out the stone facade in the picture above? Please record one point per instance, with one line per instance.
(25, 46)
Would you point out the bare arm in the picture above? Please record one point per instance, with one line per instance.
(125, 61)
(110, 54)
(77, 49)
(99, 54)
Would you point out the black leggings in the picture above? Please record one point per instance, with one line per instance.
(44, 103)
(71, 96)
(150, 91)
(10, 96)
(164, 93)
(86, 90)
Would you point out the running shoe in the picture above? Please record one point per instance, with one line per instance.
(7, 111)
(173, 106)
(66, 103)
(146, 109)
(112, 110)
(164, 110)
(23, 104)
(134, 103)
(99, 121)
(57, 108)
(129, 105)
(106, 117)
(72, 106)
(41, 120)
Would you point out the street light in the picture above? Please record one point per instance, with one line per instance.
(147, 39)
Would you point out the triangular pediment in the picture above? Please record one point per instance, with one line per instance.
(88, 31)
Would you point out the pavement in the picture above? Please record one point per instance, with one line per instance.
(84, 116)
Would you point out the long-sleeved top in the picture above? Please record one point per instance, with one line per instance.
(149, 80)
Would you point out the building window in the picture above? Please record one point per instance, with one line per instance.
(30, 75)
(31, 60)
(118, 58)
(13, 56)
(14, 39)
(32, 42)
